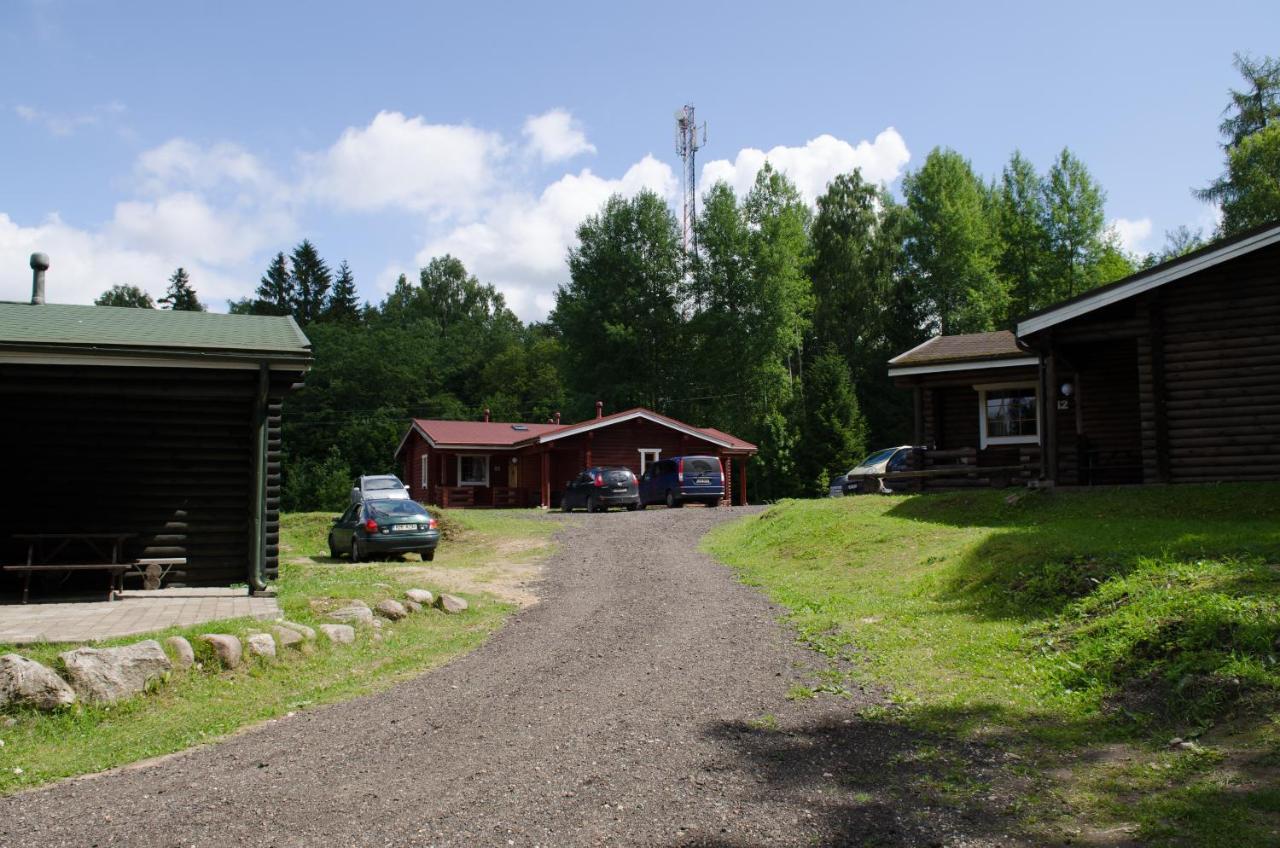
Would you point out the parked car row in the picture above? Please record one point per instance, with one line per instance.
(673, 482)
(383, 520)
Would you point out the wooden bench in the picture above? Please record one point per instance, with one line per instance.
(115, 571)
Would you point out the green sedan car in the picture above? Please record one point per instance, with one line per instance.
(372, 528)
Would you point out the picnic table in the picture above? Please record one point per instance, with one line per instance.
(96, 552)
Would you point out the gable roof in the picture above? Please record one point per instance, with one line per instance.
(1159, 275)
(953, 353)
(498, 435)
(125, 331)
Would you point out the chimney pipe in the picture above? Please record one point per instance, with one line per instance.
(599, 409)
(486, 415)
(39, 264)
(557, 417)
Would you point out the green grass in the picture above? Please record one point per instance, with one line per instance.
(202, 705)
(1055, 625)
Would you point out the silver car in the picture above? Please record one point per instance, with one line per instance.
(378, 487)
(860, 477)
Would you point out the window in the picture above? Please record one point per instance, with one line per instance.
(1009, 414)
(648, 456)
(426, 471)
(473, 470)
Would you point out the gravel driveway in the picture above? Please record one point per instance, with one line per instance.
(643, 702)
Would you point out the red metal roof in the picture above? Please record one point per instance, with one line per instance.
(505, 434)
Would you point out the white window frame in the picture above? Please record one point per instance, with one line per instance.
(644, 457)
(424, 469)
(1008, 440)
(483, 456)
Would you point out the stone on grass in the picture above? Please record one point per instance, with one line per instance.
(421, 596)
(226, 648)
(412, 606)
(28, 683)
(106, 675)
(357, 613)
(302, 629)
(393, 610)
(184, 656)
(260, 645)
(451, 603)
(341, 634)
(287, 637)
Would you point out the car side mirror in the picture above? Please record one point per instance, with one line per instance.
(406, 488)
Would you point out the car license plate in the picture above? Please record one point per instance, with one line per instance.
(702, 481)
(621, 491)
(404, 527)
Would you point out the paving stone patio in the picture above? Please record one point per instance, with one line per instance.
(135, 612)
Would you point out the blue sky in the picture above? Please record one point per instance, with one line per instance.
(140, 136)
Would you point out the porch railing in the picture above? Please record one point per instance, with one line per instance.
(956, 468)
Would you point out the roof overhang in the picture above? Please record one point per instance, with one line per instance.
(1176, 270)
(26, 353)
(970, 365)
(609, 421)
(464, 446)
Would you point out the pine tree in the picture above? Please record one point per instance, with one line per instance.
(180, 296)
(1075, 223)
(832, 431)
(343, 305)
(311, 281)
(275, 293)
(1252, 165)
(125, 295)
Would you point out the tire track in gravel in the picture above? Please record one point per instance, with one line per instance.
(642, 702)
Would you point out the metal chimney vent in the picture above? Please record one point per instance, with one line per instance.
(39, 264)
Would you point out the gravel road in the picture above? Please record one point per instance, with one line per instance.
(642, 702)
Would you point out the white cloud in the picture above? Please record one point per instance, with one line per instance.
(61, 124)
(404, 163)
(183, 224)
(1132, 233)
(520, 242)
(182, 164)
(555, 136)
(812, 166)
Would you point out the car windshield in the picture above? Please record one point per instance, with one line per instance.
(701, 465)
(398, 509)
(374, 484)
(877, 457)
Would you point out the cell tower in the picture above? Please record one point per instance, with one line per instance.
(689, 140)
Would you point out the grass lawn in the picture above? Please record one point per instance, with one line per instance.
(1079, 630)
(199, 706)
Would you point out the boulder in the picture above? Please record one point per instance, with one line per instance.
(357, 613)
(341, 634)
(421, 596)
(226, 648)
(28, 683)
(393, 610)
(287, 637)
(184, 656)
(302, 629)
(412, 606)
(451, 604)
(109, 674)
(260, 645)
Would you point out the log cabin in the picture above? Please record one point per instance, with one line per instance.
(1169, 375)
(160, 428)
(504, 464)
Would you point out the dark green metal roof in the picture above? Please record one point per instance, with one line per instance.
(150, 331)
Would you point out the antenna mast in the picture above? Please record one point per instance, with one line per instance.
(689, 140)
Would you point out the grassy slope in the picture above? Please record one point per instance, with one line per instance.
(198, 707)
(1060, 624)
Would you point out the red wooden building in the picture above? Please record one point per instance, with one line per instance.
(491, 463)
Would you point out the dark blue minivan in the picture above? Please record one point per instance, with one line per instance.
(681, 480)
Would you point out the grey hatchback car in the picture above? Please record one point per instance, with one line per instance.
(384, 527)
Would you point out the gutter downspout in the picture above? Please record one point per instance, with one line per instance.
(258, 547)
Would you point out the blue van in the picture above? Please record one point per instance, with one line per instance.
(683, 479)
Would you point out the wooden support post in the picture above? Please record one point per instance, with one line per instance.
(1049, 408)
(258, 503)
(742, 480)
(546, 479)
(1158, 390)
(917, 398)
(589, 463)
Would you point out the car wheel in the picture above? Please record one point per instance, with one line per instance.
(593, 505)
(641, 505)
(356, 554)
(427, 556)
(672, 503)
(632, 507)
(333, 549)
(564, 505)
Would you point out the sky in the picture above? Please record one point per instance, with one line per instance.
(139, 136)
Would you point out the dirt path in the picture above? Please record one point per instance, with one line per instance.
(642, 702)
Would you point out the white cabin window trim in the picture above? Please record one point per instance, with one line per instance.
(647, 456)
(474, 481)
(424, 463)
(984, 439)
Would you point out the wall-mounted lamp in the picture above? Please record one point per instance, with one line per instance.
(1068, 389)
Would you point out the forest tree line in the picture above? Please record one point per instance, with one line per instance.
(776, 328)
